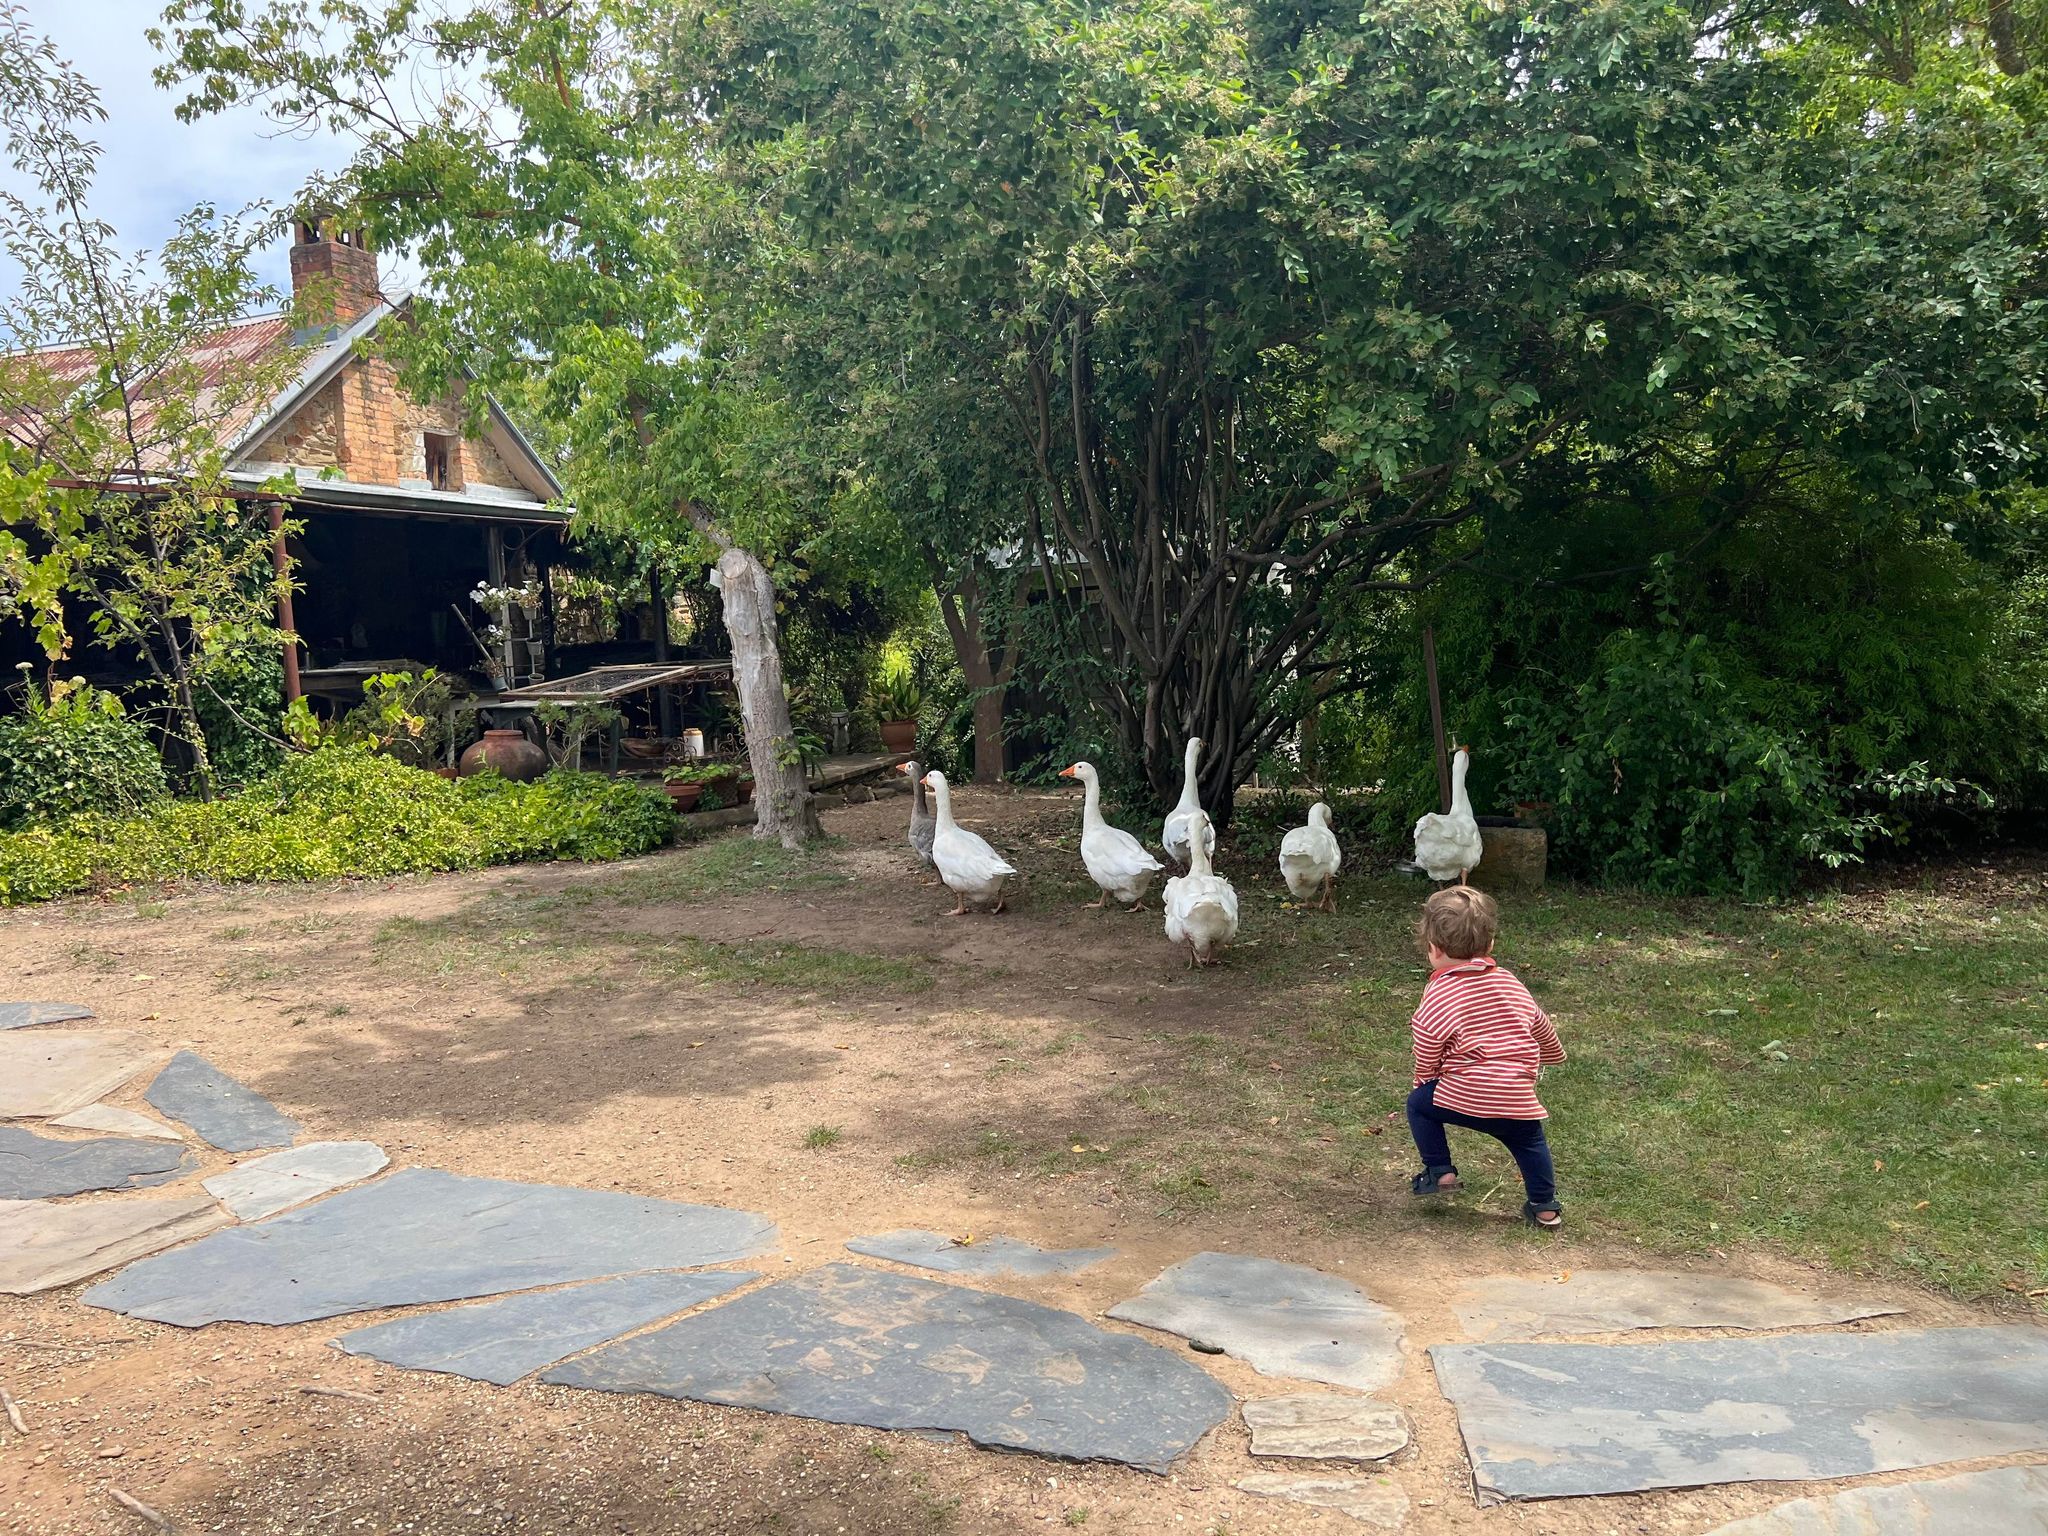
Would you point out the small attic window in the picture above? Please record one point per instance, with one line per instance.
(441, 461)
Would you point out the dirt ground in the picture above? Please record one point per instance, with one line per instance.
(832, 1051)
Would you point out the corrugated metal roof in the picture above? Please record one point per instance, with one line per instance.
(54, 373)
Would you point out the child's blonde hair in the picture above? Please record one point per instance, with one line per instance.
(1459, 921)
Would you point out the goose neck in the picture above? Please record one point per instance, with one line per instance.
(1091, 802)
(1460, 801)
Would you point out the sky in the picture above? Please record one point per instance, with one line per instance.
(153, 167)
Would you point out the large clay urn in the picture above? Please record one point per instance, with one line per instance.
(509, 752)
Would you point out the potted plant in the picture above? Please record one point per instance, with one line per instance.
(898, 701)
(684, 785)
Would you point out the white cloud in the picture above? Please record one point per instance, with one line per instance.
(153, 167)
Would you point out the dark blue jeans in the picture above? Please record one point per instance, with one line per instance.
(1523, 1138)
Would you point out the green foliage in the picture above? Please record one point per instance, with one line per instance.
(1660, 778)
(74, 750)
(181, 578)
(240, 696)
(340, 812)
(702, 773)
(895, 691)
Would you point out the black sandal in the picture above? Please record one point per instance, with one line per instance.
(1533, 1213)
(1430, 1181)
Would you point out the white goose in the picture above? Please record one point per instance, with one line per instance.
(1310, 857)
(922, 824)
(1175, 836)
(1117, 861)
(972, 870)
(1201, 906)
(1447, 843)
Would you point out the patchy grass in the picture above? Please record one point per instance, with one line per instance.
(822, 1138)
(1864, 1082)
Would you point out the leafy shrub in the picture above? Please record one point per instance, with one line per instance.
(339, 812)
(1658, 777)
(240, 696)
(74, 750)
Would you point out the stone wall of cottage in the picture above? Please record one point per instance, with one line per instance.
(365, 425)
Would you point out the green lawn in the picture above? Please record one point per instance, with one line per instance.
(1864, 1081)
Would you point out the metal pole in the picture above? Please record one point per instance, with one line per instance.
(281, 563)
(1436, 720)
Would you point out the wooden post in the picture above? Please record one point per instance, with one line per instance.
(665, 697)
(1436, 720)
(495, 569)
(281, 563)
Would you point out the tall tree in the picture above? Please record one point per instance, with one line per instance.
(514, 147)
(1278, 300)
(118, 392)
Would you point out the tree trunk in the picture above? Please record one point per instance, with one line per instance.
(783, 807)
(960, 605)
(988, 735)
(2005, 40)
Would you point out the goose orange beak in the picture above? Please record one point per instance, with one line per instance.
(1068, 773)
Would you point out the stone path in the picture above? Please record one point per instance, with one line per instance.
(1617, 1300)
(421, 1235)
(2012, 1501)
(982, 1256)
(28, 1015)
(1281, 1319)
(285, 1179)
(613, 1292)
(43, 1246)
(47, 1072)
(502, 1341)
(856, 1346)
(36, 1167)
(1549, 1420)
(1325, 1426)
(221, 1110)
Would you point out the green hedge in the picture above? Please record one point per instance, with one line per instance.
(337, 813)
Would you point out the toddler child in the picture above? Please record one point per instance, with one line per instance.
(1479, 1042)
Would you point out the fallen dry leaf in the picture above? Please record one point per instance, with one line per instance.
(1877, 1165)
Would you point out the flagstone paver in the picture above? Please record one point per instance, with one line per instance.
(49, 1072)
(982, 1256)
(1371, 1503)
(224, 1112)
(121, 1122)
(285, 1179)
(2011, 1501)
(1502, 1307)
(1325, 1426)
(858, 1346)
(36, 1167)
(27, 1015)
(422, 1235)
(1554, 1420)
(45, 1245)
(501, 1341)
(1281, 1319)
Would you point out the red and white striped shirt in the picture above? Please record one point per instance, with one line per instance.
(1480, 1034)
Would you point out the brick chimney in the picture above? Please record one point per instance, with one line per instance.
(334, 272)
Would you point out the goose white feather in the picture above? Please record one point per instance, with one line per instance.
(1201, 906)
(1310, 857)
(922, 823)
(972, 870)
(1174, 837)
(1447, 843)
(1116, 861)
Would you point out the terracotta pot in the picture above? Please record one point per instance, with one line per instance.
(509, 752)
(683, 797)
(899, 736)
(746, 788)
(444, 773)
